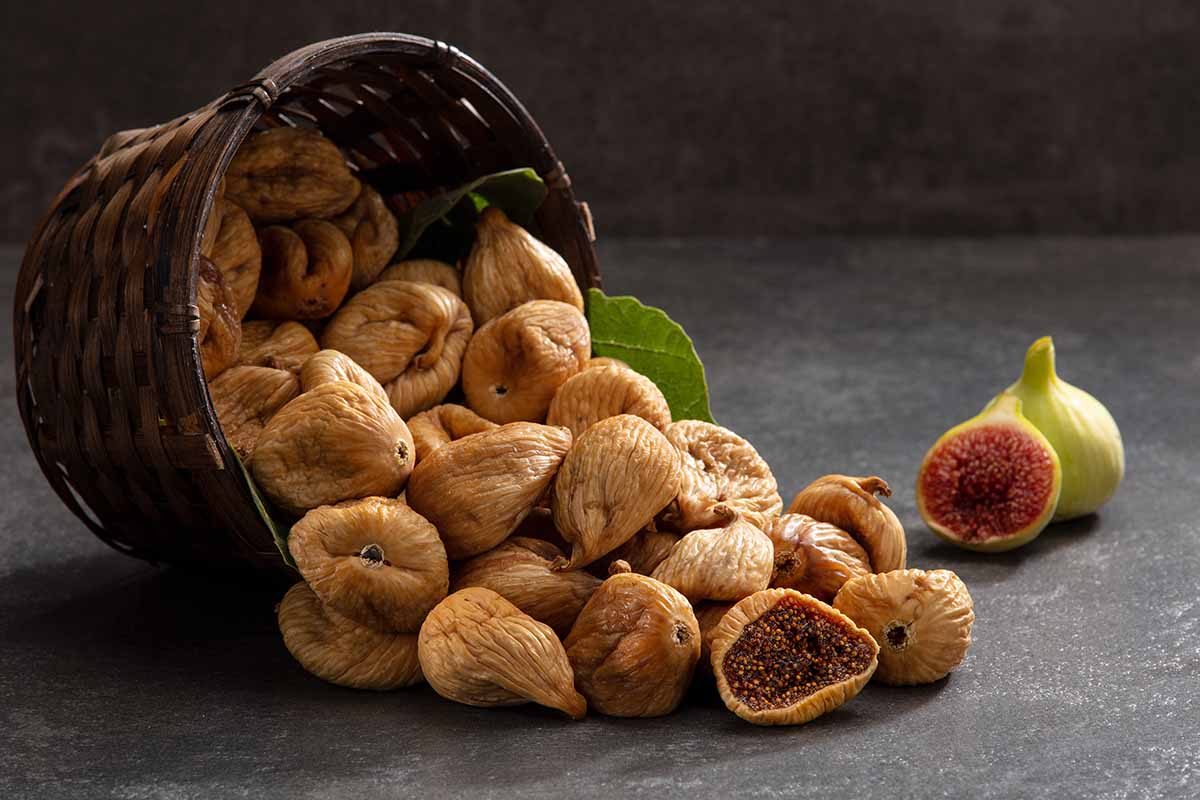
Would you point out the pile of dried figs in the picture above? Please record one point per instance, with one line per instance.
(550, 534)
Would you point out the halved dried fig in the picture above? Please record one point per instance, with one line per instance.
(719, 467)
(288, 173)
(479, 649)
(327, 366)
(444, 424)
(597, 393)
(425, 270)
(634, 646)
(615, 478)
(850, 504)
(279, 345)
(519, 570)
(334, 442)
(478, 489)
(220, 326)
(784, 658)
(245, 399)
(516, 362)
(237, 254)
(373, 233)
(921, 621)
(814, 557)
(726, 563)
(305, 270)
(341, 651)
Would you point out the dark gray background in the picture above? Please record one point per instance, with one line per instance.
(707, 117)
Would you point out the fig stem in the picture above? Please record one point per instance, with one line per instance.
(1039, 364)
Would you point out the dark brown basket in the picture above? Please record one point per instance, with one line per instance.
(109, 380)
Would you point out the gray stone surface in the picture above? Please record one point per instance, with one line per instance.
(122, 680)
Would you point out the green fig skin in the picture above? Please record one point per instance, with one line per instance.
(1079, 427)
(1003, 411)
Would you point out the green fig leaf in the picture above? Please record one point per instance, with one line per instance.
(279, 530)
(653, 344)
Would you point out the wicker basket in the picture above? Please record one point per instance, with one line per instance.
(105, 321)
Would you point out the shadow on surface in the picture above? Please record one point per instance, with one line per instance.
(1055, 537)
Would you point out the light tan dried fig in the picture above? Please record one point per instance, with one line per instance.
(245, 399)
(519, 570)
(516, 362)
(327, 366)
(605, 361)
(220, 326)
(373, 234)
(921, 621)
(784, 658)
(444, 424)
(814, 557)
(305, 270)
(409, 336)
(597, 393)
(615, 478)
(708, 616)
(479, 649)
(334, 442)
(645, 551)
(341, 651)
(634, 646)
(237, 254)
(285, 174)
(278, 345)
(508, 266)
(850, 504)
(478, 489)
(374, 560)
(726, 563)
(425, 270)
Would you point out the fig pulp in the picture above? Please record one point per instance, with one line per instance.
(991, 483)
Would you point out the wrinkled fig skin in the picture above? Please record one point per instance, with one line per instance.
(850, 504)
(444, 424)
(478, 489)
(719, 564)
(245, 399)
(645, 551)
(373, 560)
(237, 254)
(327, 366)
(477, 648)
(814, 557)
(634, 647)
(220, 326)
(279, 345)
(719, 467)
(708, 616)
(519, 570)
(425, 270)
(373, 233)
(289, 173)
(605, 361)
(305, 270)
(516, 362)
(615, 478)
(600, 392)
(410, 336)
(508, 266)
(341, 651)
(332, 443)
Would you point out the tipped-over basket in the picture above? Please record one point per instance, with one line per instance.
(105, 320)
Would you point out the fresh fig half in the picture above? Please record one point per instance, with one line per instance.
(991, 483)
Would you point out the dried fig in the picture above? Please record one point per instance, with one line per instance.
(245, 399)
(516, 362)
(425, 270)
(921, 621)
(597, 393)
(477, 648)
(720, 563)
(634, 646)
(220, 326)
(334, 442)
(615, 478)
(519, 570)
(409, 336)
(645, 551)
(237, 254)
(373, 234)
(286, 173)
(444, 424)
(305, 270)
(373, 560)
(327, 366)
(708, 617)
(478, 489)
(341, 651)
(850, 504)
(605, 361)
(508, 266)
(784, 658)
(719, 467)
(814, 557)
(279, 345)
